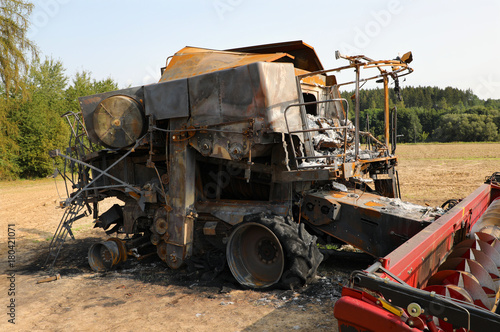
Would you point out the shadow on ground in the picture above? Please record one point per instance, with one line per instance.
(290, 307)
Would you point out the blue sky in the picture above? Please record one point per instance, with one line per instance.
(454, 43)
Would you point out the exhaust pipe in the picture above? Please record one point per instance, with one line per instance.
(104, 255)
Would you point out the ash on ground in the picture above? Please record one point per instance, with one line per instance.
(214, 283)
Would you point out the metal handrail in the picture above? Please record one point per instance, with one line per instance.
(296, 158)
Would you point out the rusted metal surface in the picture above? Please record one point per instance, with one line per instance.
(119, 121)
(181, 217)
(233, 212)
(386, 110)
(304, 56)
(104, 255)
(192, 61)
(255, 256)
(89, 104)
(236, 146)
(312, 81)
(167, 100)
(362, 219)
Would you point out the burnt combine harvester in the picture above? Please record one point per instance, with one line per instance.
(250, 153)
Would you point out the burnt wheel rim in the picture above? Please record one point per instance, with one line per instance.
(255, 256)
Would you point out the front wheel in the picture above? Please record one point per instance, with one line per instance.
(267, 250)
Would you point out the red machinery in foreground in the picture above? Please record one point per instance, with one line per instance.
(445, 278)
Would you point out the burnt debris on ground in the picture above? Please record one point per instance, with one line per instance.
(210, 280)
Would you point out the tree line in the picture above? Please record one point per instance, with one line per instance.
(34, 94)
(31, 122)
(431, 114)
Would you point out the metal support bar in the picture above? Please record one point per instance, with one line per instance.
(386, 111)
(356, 118)
(105, 172)
(394, 136)
(180, 219)
(318, 129)
(307, 137)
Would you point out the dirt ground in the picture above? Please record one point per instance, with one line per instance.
(430, 174)
(148, 296)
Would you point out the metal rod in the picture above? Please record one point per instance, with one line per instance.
(104, 187)
(394, 72)
(320, 157)
(356, 118)
(320, 129)
(386, 111)
(374, 77)
(369, 64)
(101, 171)
(307, 137)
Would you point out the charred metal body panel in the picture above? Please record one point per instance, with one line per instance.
(362, 219)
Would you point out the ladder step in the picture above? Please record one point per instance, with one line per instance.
(63, 230)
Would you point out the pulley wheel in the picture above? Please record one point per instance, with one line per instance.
(119, 121)
(255, 255)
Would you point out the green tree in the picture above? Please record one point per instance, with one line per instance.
(85, 85)
(41, 127)
(442, 104)
(467, 128)
(8, 142)
(15, 47)
(372, 120)
(409, 126)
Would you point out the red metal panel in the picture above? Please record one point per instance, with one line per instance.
(413, 262)
(357, 314)
(418, 258)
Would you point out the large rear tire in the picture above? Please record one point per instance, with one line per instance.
(268, 250)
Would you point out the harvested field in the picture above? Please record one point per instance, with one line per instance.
(148, 296)
(433, 173)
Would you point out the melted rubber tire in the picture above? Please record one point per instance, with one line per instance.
(302, 256)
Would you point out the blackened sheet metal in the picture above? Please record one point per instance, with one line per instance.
(258, 90)
(167, 100)
(362, 219)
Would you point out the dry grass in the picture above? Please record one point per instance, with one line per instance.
(433, 173)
